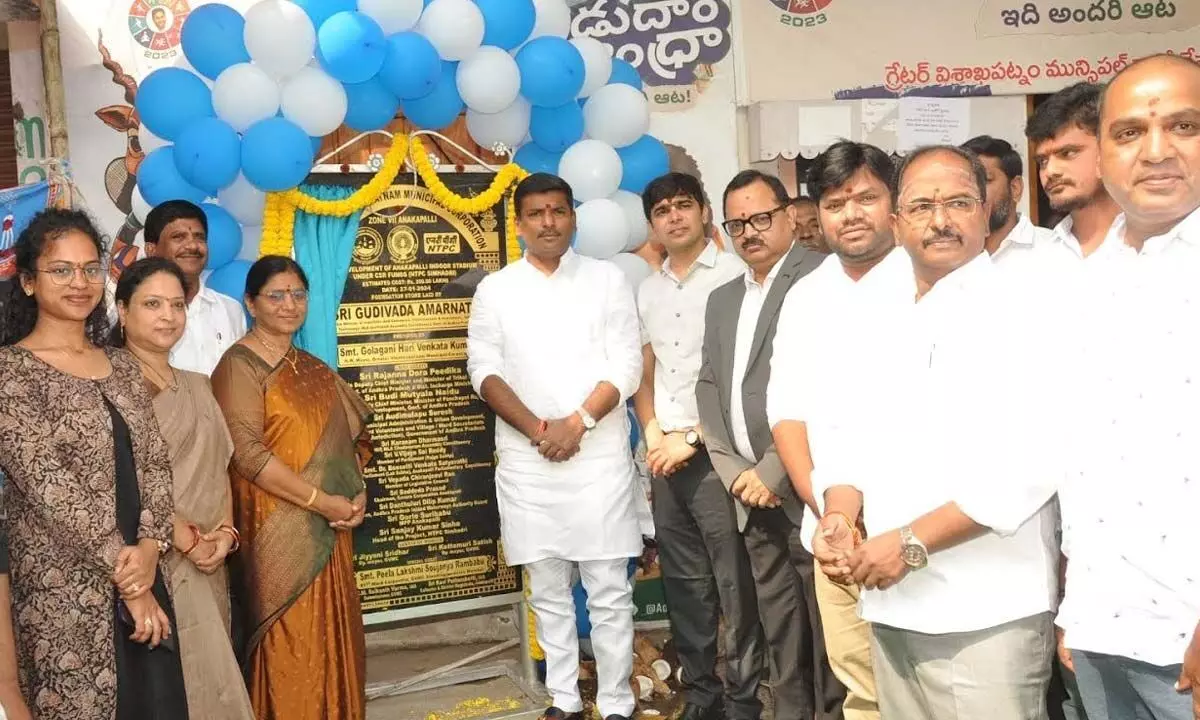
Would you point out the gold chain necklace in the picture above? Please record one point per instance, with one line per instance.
(284, 356)
(163, 383)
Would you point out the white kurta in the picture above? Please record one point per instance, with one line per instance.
(552, 339)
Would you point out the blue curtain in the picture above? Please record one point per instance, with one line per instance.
(324, 247)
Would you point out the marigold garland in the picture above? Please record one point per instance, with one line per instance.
(279, 213)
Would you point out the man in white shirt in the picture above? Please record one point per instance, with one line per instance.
(1063, 132)
(177, 230)
(553, 348)
(1009, 231)
(739, 331)
(851, 185)
(959, 573)
(705, 569)
(1131, 613)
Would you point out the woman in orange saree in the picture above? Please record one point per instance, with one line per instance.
(300, 443)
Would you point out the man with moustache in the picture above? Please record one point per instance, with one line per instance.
(739, 330)
(850, 183)
(705, 570)
(958, 575)
(1063, 132)
(177, 230)
(1131, 612)
(1007, 228)
(552, 348)
(808, 225)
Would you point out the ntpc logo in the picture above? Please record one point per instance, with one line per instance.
(802, 13)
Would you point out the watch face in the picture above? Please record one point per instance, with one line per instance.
(914, 556)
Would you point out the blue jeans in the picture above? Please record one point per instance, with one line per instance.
(1119, 688)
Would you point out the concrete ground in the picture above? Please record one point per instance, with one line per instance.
(482, 700)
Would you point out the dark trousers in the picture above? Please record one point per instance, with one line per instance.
(706, 574)
(802, 681)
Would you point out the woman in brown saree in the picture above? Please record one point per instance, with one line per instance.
(300, 442)
(152, 314)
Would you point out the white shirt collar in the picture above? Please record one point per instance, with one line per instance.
(1186, 230)
(565, 262)
(707, 258)
(1023, 233)
(749, 274)
(962, 277)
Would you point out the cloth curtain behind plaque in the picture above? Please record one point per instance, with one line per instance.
(307, 653)
(324, 247)
(200, 449)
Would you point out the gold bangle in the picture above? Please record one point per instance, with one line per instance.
(311, 499)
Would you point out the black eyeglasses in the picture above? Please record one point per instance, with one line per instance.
(759, 221)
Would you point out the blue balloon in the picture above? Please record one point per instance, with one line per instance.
(370, 105)
(208, 154)
(169, 99)
(276, 154)
(556, 129)
(321, 10)
(552, 71)
(440, 107)
(506, 23)
(230, 279)
(412, 66)
(624, 73)
(536, 159)
(212, 39)
(159, 180)
(351, 47)
(642, 162)
(224, 236)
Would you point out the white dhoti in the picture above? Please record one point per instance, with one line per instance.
(610, 609)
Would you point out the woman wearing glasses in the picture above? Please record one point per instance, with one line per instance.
(300, 443)
(152, 314)
(88, 494)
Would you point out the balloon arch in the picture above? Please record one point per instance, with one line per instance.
(241, 124)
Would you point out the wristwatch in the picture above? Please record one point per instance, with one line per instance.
(691, 437)
(589, 422)
(912, 551)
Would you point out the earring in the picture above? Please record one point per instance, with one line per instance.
(122, 331)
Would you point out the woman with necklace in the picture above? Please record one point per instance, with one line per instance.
(300, 443)
(152, 314)
(88, 494)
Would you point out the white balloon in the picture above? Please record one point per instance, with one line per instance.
(639, 229)
(597, 64)
(243, 94)
(455, 27)
(489, 80)
(149, 141)
(314, 101)
(635, 267)
(507, 127)
(600, 229)
(243, 201)
(138, 205)
(593, 170)
(279, 37)
(393, 16)
(251, 242)
(617, 114)
(553, 19)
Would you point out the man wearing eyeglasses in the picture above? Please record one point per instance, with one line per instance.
(177, 230)
(959, 571)
(706, 573)
(739, 331)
